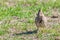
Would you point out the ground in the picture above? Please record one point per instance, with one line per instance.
(17, 19)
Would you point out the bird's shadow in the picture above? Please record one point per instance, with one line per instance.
(28, 32)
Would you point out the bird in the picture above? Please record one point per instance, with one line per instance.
(40, 20)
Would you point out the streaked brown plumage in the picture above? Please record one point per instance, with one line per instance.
(40, 20)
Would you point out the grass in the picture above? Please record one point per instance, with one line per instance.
(25, 11)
